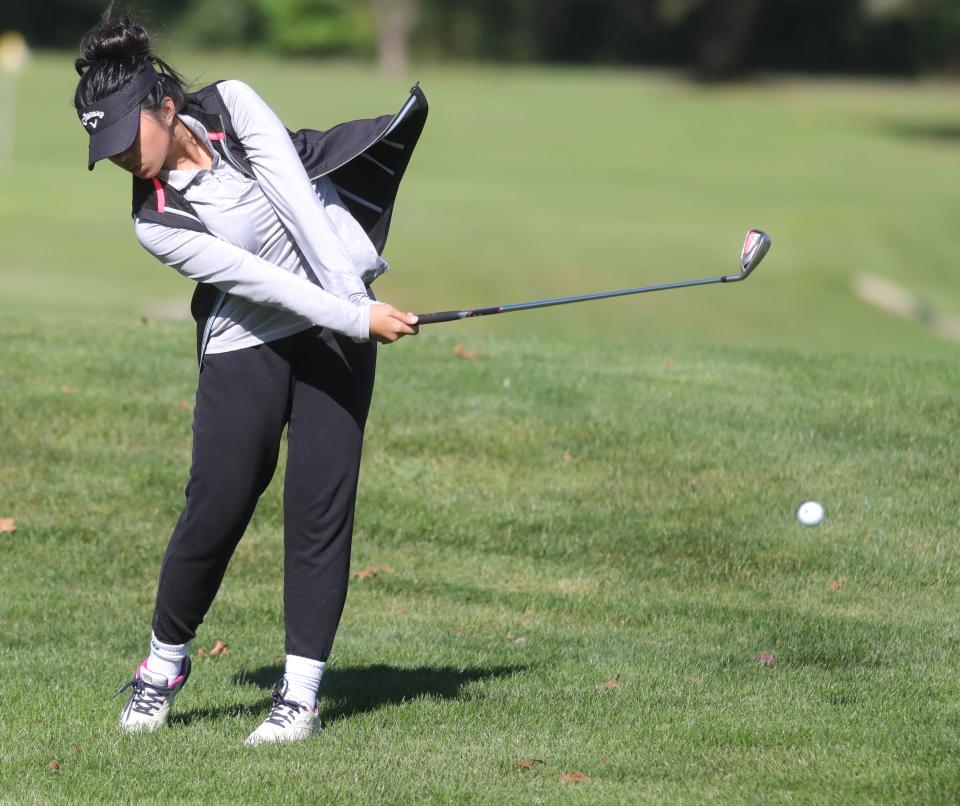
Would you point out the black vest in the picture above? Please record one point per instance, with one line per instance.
(365, 160)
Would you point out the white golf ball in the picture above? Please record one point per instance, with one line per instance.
(810, 513)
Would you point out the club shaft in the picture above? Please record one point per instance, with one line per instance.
(450, 316)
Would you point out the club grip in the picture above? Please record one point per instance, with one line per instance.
(439, 316)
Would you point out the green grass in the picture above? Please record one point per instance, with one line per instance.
(531, 182)
(629, 511)
(613, 482)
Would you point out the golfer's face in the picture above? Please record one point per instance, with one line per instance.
(147, 153)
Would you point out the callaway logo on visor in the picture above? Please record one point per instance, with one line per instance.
(90, 118)
(113, 122)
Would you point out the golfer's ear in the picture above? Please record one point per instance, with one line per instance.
(169, 109)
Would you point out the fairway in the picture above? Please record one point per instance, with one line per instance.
(532, 183)
(567, 559)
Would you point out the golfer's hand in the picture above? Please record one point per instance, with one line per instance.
(387, 324)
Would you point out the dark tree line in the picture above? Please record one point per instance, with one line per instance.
(715, 39)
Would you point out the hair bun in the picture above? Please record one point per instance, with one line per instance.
(115, 38)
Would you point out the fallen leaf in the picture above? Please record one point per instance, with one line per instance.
(183, 404)
(768, 659)
(219, 648)
(567, 456)
(201, 653)
(527, 763)
(520, 640)
(278, 658)
(604, 757)
(55, 765)
(836, 585)
(576, 775)
(693, 680)
(623, 621)
(77, 749)
(8, 525)
(462, 352)
(400, 611)
(68, 388)
(613, 682)
(371, 571)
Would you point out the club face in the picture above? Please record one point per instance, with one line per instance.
(755, 247)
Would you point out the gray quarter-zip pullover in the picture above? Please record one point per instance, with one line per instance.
(264, 231)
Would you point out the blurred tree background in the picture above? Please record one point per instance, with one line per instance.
(714, 39)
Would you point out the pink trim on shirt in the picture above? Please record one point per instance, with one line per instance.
(161, 196)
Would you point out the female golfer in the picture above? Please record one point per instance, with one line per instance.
(280, 349)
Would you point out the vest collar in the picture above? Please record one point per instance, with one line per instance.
(181, 177)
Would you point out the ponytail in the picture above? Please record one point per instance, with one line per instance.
(112, 53)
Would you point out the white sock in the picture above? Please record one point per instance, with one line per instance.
(166, 659)
(303, 679)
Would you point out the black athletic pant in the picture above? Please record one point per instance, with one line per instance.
(319, 383)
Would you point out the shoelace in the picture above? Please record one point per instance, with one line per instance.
(282, 712)
(146, 699)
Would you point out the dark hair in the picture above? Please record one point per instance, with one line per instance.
(112, 53)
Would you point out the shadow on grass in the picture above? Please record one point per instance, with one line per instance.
(250, 711)
(944, 132)
(358, 689)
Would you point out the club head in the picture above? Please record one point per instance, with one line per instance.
(755, 247)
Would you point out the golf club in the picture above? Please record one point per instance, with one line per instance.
(755, 247)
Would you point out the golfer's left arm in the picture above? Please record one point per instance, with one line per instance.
(285, 183)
